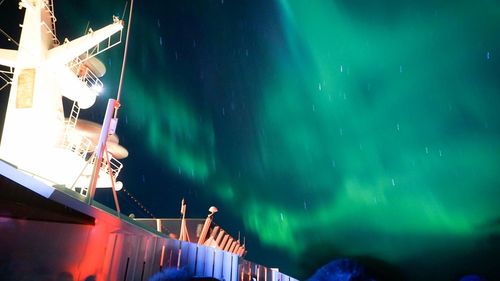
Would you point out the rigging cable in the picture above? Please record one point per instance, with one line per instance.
(143, 208)
(124, 60)
(8, 37)
(120, 91)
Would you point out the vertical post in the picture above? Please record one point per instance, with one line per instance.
(158, 225)
(101, 145)
(183, 235)
(218, 240)
(206, 225)
(113, 183)
(162, 256)
(204, 230)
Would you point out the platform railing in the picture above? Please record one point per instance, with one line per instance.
(116, 166)
(85, 74)
(102, 46)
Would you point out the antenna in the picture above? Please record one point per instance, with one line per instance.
(87, 27)
(125, 8)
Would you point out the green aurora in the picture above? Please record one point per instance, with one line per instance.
(369, 129)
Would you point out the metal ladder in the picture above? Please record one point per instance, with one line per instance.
(73, 116)
(49, 4)
(81, 147)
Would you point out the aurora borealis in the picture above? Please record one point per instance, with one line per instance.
(319, 128)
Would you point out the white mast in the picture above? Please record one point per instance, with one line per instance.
(34, 125)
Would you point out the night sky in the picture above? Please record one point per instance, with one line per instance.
(320, 129)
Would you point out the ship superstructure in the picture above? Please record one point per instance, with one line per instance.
(50, 228)
(37, 138)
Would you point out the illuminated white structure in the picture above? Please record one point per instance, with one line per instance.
(37, 138)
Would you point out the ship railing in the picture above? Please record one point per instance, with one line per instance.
(113, 163)
(6, 75)
(217, 237)
(205, 262)
(102, 46)
(78, 144)
(82, 147)
(49, 6)
(249, 271)
(85, 74)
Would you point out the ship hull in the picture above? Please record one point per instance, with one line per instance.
(60, 237)
(48, 234)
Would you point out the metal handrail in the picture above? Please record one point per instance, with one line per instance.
(85, 74)
(103, 45)
(116, 166)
